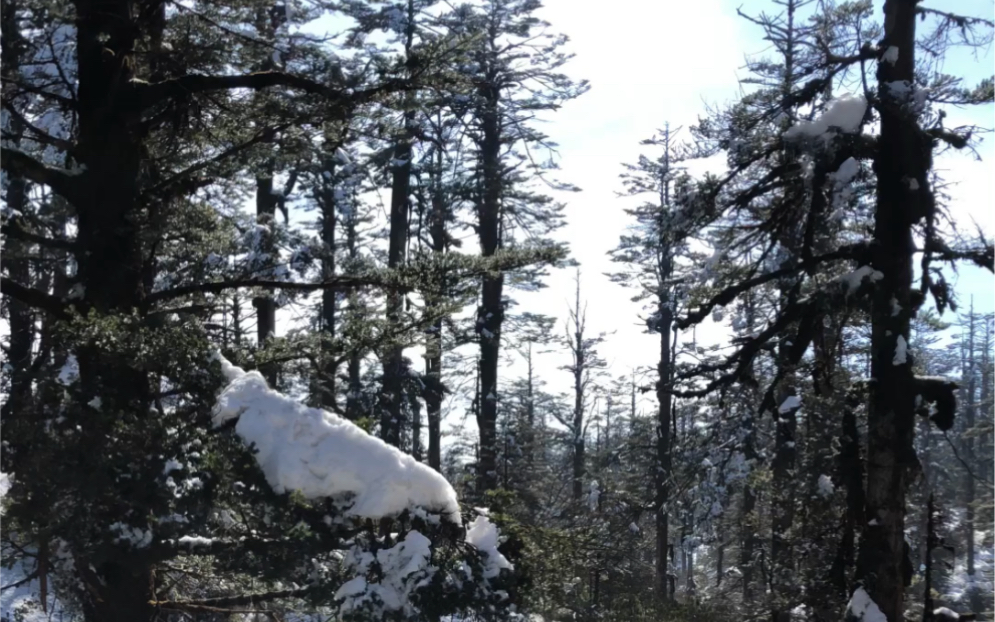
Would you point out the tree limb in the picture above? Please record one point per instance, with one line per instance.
(32, 297)
(18, 163)
(151, 94)
(208, 604)
(15, 231)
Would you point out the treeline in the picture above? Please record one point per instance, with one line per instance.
(831, 459)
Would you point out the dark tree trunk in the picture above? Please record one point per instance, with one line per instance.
(491, 314)
(747, 518)
(266, 203)
(662, 473)
(394, 369)
(110, 266)
(329, 297)
(904, 152)
(433, 341)
(580, 364)
(392, 418)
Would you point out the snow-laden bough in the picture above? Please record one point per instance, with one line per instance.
(320, 454)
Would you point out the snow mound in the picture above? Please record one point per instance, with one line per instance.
(844, 113)
(320, 454)
(484, 536)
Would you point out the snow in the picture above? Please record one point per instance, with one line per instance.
(69, 372)
(320, 454)
(901, 351)
(945, 614)
(825, 485)
(404, 568)
(136, 536)
(4, 484)
(194, 541)
(852, 280)
(862, 608)
(890, 55)
(593, 497)
(847, 171)
(845, 113)
(790, 403)
(484, 536)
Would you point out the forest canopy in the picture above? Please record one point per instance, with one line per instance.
(271, 348)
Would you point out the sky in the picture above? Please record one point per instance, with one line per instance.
(656, 62)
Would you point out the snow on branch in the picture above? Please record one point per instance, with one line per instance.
(844, 113)
(320, 454)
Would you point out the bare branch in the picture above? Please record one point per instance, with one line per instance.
(32, 297)
(18, 163)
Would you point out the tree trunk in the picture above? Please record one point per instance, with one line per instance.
(433, 341)
(970, 420)
(266, 203)
(394, 368)
(110, 266)
(903, 153)
(747, 519)
(491, 314)
(392, 416)
(579, 370)
(329, 297)
(663, 442)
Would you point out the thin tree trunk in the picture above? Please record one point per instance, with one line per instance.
(903, 153)
(491, 314)
(579, 372)
(747, 520)
(329, 297)
(433, 342)
(970, 420)
(392, 416)
(663, 442)
(265, 305)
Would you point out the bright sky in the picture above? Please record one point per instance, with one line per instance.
(653, 62)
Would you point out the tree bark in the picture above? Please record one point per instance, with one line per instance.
(903, 153)
(265, 306)
(393, 414)
(663, 469)
(433, 341)
(329, 297)
(491, 314)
